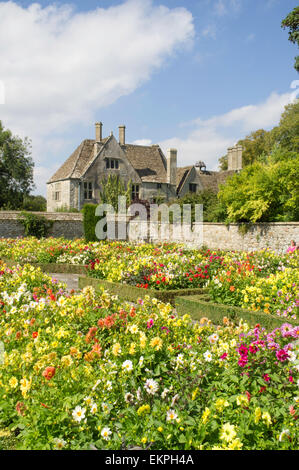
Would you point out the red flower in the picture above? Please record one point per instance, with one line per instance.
(49, 372)
(35, 334)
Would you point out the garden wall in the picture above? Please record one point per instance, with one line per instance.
(68, 225)
(214, 235)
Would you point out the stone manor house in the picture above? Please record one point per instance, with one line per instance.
(154, 176)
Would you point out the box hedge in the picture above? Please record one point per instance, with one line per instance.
(198, 306)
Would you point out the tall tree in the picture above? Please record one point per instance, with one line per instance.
(292, 22)
(16, 169)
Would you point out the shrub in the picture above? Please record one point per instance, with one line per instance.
(89, 222)
(35, 225)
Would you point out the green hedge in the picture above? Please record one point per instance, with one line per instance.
(132, 293)
(198, 306)
(89, 222)
(51, 267)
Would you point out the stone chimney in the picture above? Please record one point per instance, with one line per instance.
(122, 135)
(234, 158)
(98, 137)
(98, 128)
(171, 166)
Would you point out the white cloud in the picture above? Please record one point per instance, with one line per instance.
(209, 138)
(142, 142)
(225, 7)
(60, 66)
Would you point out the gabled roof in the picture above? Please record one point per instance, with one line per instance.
(75, 166)
(148, 161)
(181, 175)
(212, 179)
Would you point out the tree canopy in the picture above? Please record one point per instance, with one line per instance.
(16, 169)
(261, 143)
(264, 191)
(292, 22)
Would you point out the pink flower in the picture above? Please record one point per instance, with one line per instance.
(282, 355)
(224, 356)
(150, 323)
(291, 379)
(243, 361)
(243, 350)
(266, 377)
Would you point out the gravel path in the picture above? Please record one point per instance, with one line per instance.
(70, 279)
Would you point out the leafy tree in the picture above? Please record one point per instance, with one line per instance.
(264, 192)
(292, 22)
(213, 209)
(259, 144)
(287, 132)
(16, 169)
(35, 203)
(112, 187)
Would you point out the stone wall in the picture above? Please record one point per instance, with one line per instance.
(276, 235)
(68, 225)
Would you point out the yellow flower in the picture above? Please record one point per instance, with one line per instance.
(220, 404)
(205, 415)
(143, 409)
(242, 400)
(13, 382)
(266, 418)
(236, 444)
(132, 349)
(257, 415)
(67, 361)
(228, 432)
(194, 393)
(156, 343)
(160, 429)
(116, 349)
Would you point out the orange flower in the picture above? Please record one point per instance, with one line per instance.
(232, 288)
(49, 372)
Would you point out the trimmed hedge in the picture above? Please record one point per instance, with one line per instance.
(198, 306)
(132, 293)
(90, 221)
(51, 267)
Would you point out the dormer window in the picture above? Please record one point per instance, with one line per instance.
(88, 190)
(112, 164)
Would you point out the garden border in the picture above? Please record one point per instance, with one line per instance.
(133, 293)
(197, 307)
(50, 267)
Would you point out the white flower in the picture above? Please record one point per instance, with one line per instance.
(108, 385)
(79, 413)
(93, 408)
(127, 365)
(105, 433)
(165, 392)
(292, 356)
(133, 329)
(171, 415)
(59, 443)
(284, 433)
(208, 356)
(213, 338)
(129, 398)
(151, 386)
(141, 360)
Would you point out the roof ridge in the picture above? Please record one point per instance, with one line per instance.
(79, 155)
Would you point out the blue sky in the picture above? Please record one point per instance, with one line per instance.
(196, 74)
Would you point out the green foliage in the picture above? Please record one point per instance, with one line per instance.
(89, 222)
(213, 209)
(65, 208)
(264, 192)
(35, 225)
(292, 22)
(16, 169)
(112, 188)
(34, 203)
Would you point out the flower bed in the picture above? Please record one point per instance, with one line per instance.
(260, 281)
(87, 369)
(132, 293)
(201, 305)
